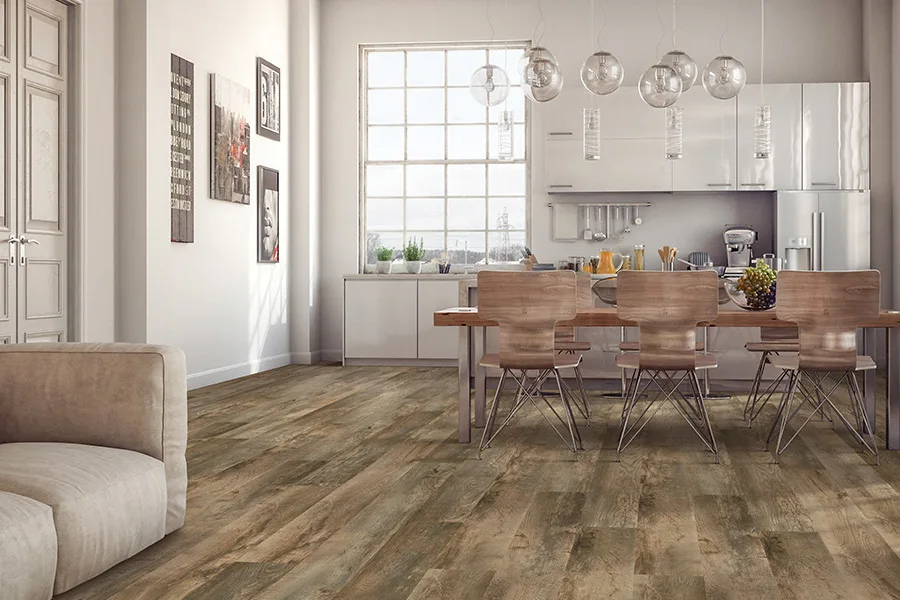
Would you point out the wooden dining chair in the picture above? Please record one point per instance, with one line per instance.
(667, 307)
(528, 306)
(772, 342)
(566, 343)
(827, 306)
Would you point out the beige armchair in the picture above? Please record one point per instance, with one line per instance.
(96, 432)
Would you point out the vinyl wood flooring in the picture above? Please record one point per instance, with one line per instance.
(338, 483)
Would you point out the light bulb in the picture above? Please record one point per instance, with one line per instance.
(542, 80)
(684, 65)
(660, 86)
(724, 77)
(489, 85)
(537, 52)
(602, 73)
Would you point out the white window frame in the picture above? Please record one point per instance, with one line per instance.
(362, 143)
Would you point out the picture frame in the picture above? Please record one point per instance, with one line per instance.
(268, 100)
(269, 215)
(230, 108)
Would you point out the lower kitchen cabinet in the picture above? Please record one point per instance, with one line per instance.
(437, 342)
(380, 319)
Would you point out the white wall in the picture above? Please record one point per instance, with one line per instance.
(210, 298)
(806, 41)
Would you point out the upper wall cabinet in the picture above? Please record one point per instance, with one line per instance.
(709, 157)
(835, 136)
(783, 169)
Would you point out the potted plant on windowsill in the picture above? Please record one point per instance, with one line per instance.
(413, 254)
(384, 257)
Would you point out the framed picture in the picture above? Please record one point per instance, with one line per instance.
(269, 215)
(230, 107)
(181, 150)
(268, 99)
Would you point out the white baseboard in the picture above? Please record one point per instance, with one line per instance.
(332, 355)
(213, 376)
(306, 358)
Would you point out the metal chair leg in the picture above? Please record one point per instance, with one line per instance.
(752, 397)
(702, 402)
(570, 416)
(786, 414)
(629, 406)
(489, 426)
(780, 409)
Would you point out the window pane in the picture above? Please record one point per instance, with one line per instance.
(506, 246)
(506, 180)
(465, 248)
(465, 180)
(375, 239)
(462, 108)
(518, 142)
(433, 242)
(425, 106)
(514, 209)
(384, 213)
(425, 213)
(385, 107)
(385, 143)
(514, 102)
(384, 180)
(466, 142)
(425, 142)
(509, 63)
(465, 213)
(385, 69)
(425, 180)
(462, 63)
(425, 68)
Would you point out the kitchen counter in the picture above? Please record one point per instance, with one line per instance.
(410, 277)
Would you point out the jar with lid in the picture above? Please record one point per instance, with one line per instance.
(638, 257)
(626, 262)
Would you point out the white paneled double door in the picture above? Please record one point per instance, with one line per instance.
(33, 174)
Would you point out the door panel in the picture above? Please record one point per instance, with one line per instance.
(709, 144)
(795, 212)
(42, 154)
(44, 336)
(44, 39)
(846, 230)
(43, 289)
(836, 136)
(783, 169)
(5, 21)
(4, 294)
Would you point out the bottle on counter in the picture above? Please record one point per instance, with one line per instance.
(638, 257)
(626, 262)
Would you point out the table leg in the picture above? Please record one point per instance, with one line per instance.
(465, 405)
(480, 380)
(869, 385)
(892, 412)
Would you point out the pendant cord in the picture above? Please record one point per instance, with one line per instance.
(762, 50)
(487, 17)
(674, 23)
(662, 28)
(724, 28)
(603, 25)
(542, 22)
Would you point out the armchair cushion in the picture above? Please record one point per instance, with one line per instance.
(27, 548)
(108, 504)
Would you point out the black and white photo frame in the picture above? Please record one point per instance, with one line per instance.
(269, 215)
(268, 99)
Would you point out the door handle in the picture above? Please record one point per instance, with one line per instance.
(23, 242)
(12, 256)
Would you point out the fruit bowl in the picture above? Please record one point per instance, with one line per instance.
(763, 301)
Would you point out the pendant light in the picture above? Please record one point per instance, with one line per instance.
(660, 86)
(489, 85)
(542, 79)
(762, 124)
(602, 72)
(505, 150)
(724, 77)
(674, 132)
(680, 62)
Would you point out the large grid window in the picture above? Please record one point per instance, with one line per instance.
(431, 168)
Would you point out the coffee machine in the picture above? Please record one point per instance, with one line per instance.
(739, 241)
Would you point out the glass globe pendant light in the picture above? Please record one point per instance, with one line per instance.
(489, 85)
(660, 86)
(683, 65)
(602, 72)
(674, 132)
(724, 77)
(542, 79)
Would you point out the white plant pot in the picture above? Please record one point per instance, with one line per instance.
(414, 267)
(383, 267)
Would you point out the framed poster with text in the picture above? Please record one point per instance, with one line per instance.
(182, 149)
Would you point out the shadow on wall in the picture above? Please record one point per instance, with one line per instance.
(268, 308)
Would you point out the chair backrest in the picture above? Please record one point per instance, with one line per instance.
(828, 306)
(667, 306)
(527, 305)
(584, 299)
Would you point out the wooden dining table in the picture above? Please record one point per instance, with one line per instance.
(468, 320)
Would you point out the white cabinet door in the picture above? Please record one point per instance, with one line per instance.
(634, 165)
(784, 168)
(709, 157)
(380, 319)
(836, 136)
(565, 169)
(437, 342)
(561, 118)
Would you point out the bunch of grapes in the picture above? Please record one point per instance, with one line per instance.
(758, 285)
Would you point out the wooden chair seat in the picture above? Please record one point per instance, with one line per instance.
(560, 361)
(633, 361)
(636, 346)
(792, 363)
(572, 346)
(774, 346)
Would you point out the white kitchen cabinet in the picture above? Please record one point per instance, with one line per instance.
(562, 117)
(709, 160)
(634, 165)
(565, 169)
(836, 136)
(380, 319)
(783, 170)
(437, 342)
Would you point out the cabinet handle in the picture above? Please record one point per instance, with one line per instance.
(718, 185)
(561, 133)
(753, 185)
(821, 183)
(561, 185)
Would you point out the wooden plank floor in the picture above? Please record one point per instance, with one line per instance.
(347, 483)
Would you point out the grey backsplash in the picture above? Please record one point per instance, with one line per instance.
(690, 221)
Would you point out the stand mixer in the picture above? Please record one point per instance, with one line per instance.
(739, 241)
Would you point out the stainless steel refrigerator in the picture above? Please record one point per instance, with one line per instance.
(836, 225)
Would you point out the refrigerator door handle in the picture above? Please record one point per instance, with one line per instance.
(815, 241)
(822, 241)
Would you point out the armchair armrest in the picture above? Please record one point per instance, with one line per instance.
(128, 396)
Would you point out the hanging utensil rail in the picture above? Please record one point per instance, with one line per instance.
(601, 204)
